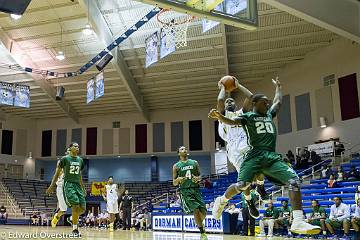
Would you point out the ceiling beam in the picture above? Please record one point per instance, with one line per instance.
(23, 59)
(225, 50)
(105, 35)
(340, 17)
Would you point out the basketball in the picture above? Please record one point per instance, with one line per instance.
(228, 82)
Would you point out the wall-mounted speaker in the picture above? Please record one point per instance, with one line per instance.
(103, 62)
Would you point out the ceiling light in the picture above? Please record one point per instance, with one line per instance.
(15, 16)
(87, 30)
(60, 55)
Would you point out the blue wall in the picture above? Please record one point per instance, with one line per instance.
(127, 169)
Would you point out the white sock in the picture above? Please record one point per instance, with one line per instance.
(224, 199)
(247, 197)
(298, 215)
(75, 227)
(259, 182)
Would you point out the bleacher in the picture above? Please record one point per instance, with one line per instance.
(30, 195)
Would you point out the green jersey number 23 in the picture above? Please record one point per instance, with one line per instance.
(264, 127)
(74, 169)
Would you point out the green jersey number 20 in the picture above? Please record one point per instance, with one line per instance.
(74, 169)
(264, 127)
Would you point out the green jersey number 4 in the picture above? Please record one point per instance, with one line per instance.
(188, 174)
(262, 127)
(74, 169)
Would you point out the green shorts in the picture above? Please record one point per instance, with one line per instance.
(191, 199)
(336, 223)
(268, 163)
(284, 222)
(74, 194)
(315, 222)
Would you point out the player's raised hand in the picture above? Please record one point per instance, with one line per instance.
(50, 190)
(196, 179)
(214, 114)
(276, 82)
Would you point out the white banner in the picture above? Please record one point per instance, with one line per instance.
(322, 149)
(167, 222)
(211, 224)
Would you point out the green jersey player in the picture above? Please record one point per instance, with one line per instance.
(262, 158)
(186, 175)
(74, 191)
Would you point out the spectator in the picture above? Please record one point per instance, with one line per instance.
(270, 215)
(290, 156)
(332, 181)
(44, 219)
(149, 206)
(89, 219)
(3, 214)
(315, 158)
(326, 172)
(232, 209)
(357, 194)
(287, 162)
(355, 221)
(354, 174)
(284, 219)
(340, 175)
(249, 221)
(339, 148)
(318, 216)
(211, 206)
(240, 223)
(339, 218)
(35, 219)
(103, 219)
(208, 183)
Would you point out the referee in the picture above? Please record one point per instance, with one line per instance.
(127, 206)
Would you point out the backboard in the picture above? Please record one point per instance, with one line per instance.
(237, 13)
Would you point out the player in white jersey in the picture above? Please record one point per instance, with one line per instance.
(235, 136)
(62, 207)
(111, 199)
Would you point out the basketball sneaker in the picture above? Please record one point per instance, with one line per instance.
(54, 222)
(218, 208)
(111, 227)
(76, 233)
(203, 236)
(302, 227)
(265, 197)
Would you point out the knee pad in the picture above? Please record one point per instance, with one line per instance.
(241, 186)
(294, 184)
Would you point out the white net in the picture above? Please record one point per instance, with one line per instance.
(175, 26)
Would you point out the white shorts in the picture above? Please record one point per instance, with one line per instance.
(237, 157)
(112, 207)
(61, 200)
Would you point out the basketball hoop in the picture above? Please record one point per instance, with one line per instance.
(175, 26)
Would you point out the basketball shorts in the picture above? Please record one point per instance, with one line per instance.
(112, 206)
(270, 164)
(74, 194)
(336, 223)
(61, 200)
(191, 199)
(315, 222)
(236, 157)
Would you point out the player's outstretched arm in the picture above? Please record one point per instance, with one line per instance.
(216, 115)
(243, 89)
(278, 96)
(196, 178)
(221, 99)
(51, 188)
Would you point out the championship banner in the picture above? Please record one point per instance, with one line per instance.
(7, 93)
(22, 96)
(322, 149)
(235, 6)
(97, 188)
(211, 224)
(151, 46)
(221, 162)
(99, 82)
(90, 88)
(166, 47)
